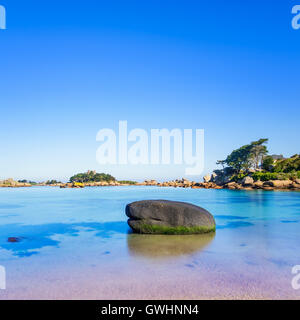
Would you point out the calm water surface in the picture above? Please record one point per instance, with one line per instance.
(75, 244)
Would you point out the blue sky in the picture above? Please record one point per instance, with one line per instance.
(70, 68)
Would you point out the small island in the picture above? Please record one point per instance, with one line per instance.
(80, 180)
(93, 179)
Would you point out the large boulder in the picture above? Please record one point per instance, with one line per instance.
(247, 181)
(168, 217)
(221, 177)
(295, 186)
(150, 182)
(233, 186)
(213, 176)
(258, 184)
(280, 184)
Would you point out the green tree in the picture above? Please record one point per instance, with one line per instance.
(239, 159)
(267, 163)
(288, 165)
(247, 156)
(222, 163)
(258, 151)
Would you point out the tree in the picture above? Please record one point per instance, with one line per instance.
(287, 165)
(258, 151)
(247, 156)
(267, 163)
(221, 162)
(240, 158)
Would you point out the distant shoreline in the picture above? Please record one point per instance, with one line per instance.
(247, 168)
(272, 185)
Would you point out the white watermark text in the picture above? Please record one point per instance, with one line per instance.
(2, 17)
(161, 146)
(296, 18)
(2, 278)
(296, 279)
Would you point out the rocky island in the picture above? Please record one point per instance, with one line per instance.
(11, 183)
(248, 168)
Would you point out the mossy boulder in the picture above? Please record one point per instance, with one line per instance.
(169, 217)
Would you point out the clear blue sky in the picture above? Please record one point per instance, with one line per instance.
(70, 68)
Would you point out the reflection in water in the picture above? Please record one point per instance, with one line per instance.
(167, 246)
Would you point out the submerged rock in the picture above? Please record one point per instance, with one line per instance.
(14, 239)
(168, 217)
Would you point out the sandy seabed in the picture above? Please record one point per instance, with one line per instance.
(76, 244)
(136, 274)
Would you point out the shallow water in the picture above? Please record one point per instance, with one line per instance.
(75, 244)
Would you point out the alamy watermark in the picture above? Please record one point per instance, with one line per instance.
(139, 147)
(296, 279)
(296, 18)
(2, 17)
(2, 278)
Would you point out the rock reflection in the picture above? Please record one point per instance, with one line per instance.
(166, 246)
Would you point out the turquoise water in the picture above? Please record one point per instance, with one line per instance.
(75, 243)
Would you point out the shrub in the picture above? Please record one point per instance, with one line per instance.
(288, 165)
(238, 177)
(293, 175)
(52, 182)
(264, 176)
(127, 182)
